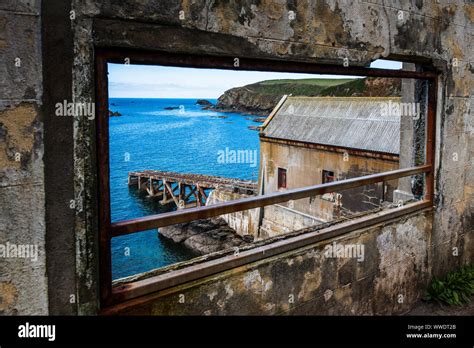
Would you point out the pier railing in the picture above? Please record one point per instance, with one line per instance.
(184, 189)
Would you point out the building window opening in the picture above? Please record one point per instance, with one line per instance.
(328, 176)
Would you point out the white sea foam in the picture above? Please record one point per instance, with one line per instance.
(177, 113)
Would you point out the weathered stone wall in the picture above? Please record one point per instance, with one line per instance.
(305, 166)
(389, 279)
(322, 31)
(23, 282)
(262, 223)
(279, 219)
(242, 222)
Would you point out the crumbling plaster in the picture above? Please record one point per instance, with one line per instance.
(23, 281)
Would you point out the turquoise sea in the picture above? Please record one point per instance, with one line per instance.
(185, 139)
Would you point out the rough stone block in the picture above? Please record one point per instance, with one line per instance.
(21, 149)
(20, 58)
(458, 116)
(21, 6)
(186, 13)
(22, 279)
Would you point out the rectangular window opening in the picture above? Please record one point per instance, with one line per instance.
(328, 176)
(281, 178)
(193, 171)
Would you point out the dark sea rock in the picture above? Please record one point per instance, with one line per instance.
(114, 114)
(203, 102)
(203, 236)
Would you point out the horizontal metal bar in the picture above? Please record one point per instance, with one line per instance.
(175, 217)
(274, 65)
(160, 282)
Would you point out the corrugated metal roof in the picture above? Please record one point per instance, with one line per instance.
(352, 122)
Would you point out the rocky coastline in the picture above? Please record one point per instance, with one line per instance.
(203, 236)
(260, 98)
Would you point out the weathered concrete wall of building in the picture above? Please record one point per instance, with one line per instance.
(242, 222)
(280, 219)
(23, 282)
(62, 202)
(304, 168)
(389, 278)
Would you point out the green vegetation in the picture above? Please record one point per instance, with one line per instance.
(317, 82)
(455, 288)
(325, 87)
(300, 87)
(350, 88)
(261, 97)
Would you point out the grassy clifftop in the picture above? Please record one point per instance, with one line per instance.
(261, 97)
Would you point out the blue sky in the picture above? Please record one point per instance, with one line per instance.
(145, 81)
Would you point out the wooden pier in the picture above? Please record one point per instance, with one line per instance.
(185, 190)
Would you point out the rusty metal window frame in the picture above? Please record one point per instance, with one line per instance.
(114, 297)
